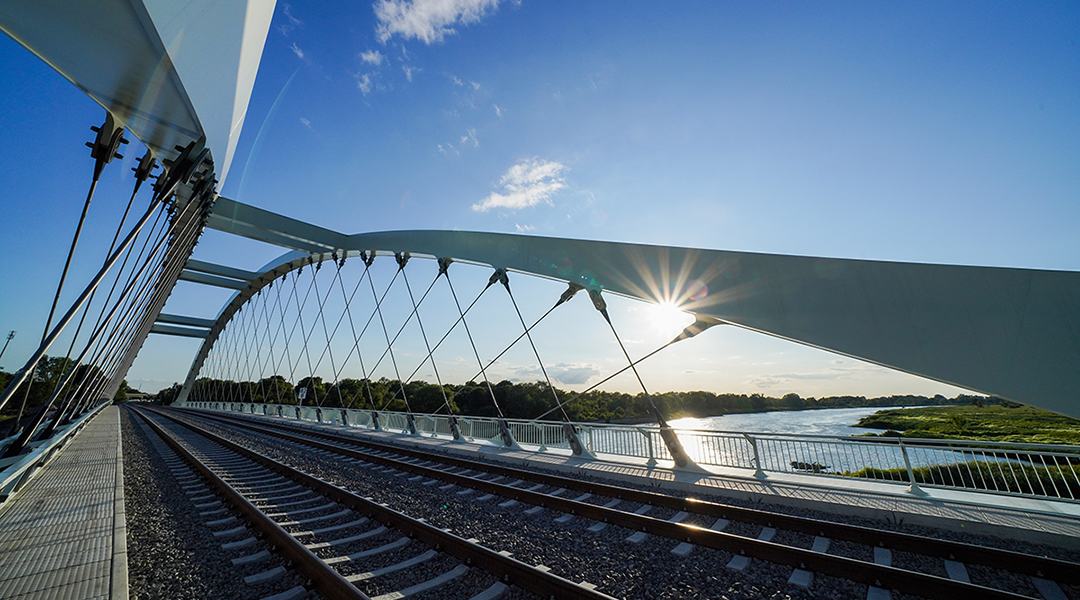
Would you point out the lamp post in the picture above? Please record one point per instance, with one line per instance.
(10, 336)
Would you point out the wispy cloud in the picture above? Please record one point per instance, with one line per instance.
(306, 122)
(829, 374)
(409, 71)
(296, 50)
(456, 80)
(498, 111)
(428, 20)
(373, 57)
(449, 150)
(364, 83)
(474, 85)
(470, 138)
(524, 228)
(526, 184)
(290, 22)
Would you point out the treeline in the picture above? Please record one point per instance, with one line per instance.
(522, 400)
(50, 371)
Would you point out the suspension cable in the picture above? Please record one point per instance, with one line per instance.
(386, 334)
(416, 308)
(506, 284)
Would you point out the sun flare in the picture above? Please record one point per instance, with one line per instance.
(668, 318)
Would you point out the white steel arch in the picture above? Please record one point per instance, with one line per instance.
(1014, 333)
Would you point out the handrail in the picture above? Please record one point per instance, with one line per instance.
(20, 468)
(1010, 468)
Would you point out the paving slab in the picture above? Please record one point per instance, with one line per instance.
(63, 534)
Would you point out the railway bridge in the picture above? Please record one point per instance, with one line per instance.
(341, 430)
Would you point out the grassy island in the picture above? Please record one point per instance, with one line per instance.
(1001, 422)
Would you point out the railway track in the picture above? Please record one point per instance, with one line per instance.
(744, 534)
(345, 545)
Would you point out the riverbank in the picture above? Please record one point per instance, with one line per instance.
(997, 423)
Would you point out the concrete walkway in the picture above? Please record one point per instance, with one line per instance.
(62, 536)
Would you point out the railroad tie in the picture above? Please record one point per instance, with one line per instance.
(957, 571)
(685, 548)
(802, 577)
(883, 557)
(266, 576)
(601, 526)
(569, 517)
(1048, 589)
(496, 591)
(740, 562)
(251, 559)
(424, 586)
(295, 593)
(641, 536)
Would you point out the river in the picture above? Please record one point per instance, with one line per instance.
(824, 421)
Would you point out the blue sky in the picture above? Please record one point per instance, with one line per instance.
(931, 132)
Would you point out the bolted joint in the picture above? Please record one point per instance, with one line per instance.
(145, 169)
(402, 259)
(570, 292)
(106, 145)
(500, 276)
(368, 256)
(599, 303)
(444, 264)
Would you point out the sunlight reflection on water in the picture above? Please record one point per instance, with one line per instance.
(827, 421)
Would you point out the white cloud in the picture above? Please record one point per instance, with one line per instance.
(372, 57)
(470, 138)
(364, 83)
(409, 71)
(568, 373)
(427, 20)
(306, 122)
(527, 183)
(456, 80)
(524, 228)
(296, 50)
(498, 111)
(291, 22)
(448, 150)
(474, 85)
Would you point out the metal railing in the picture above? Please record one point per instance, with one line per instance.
(1033, 470)
(17, 470)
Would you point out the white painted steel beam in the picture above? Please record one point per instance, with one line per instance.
(182, 320)
(1014, 333)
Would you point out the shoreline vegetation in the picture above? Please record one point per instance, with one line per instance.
(530, 400)
(986, 419)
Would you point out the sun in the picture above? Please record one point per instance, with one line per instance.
(668, 318)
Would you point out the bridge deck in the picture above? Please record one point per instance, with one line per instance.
(63, 535)
(1030, 519)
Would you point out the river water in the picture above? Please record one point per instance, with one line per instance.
(825, 421)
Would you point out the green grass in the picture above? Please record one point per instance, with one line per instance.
(997, 423)
(1011, 477)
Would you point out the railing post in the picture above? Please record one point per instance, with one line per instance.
(575, 444)
(543, 445)
(345, 417)
(759, 473)
(375, 420)
(914, 487)
(504, 431)
(648, 439)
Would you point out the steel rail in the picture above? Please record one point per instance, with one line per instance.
(329, 582)
(1016, 562)
(506, 568)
